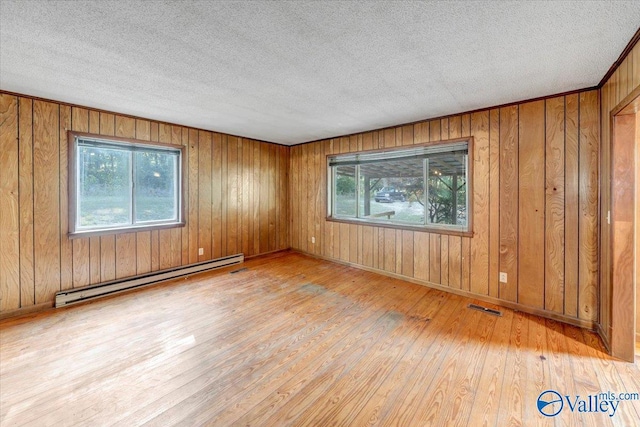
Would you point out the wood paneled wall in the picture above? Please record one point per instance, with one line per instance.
(535, 208)
(236, 196)
(624, 80)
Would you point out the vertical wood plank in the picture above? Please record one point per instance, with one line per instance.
(421, 255)
(359, 254)
(353, 243)
(444, 258)
(407, 253)
(232, 195)
(407, 135)
(508, 210)
(367, 246)
(444, 129)
(421, 132)
(337, 236)
(250, 173)
(313, 195)
(605, 203)
(278, 200)
(343, 247)
(465, 266)
(204, 195)
(46, 200)
(494, 202)
(389, 253)
(376, 247)
(184, 231)
(66, 246)
(571, 204)
(94, 242)
(272, 197)
(479, 123)
(214, 187)
(245, 178)
(224, 180)
(107, 243)
(322, 234)
(531, 208)
(455, 127)
(265, 159)
(435, 131)
(256, 197)
(455, 262)
(293, 199)
(624, 78)
(588, 225)
(319, 196)
(164, 236)
(285, 213)
(466, 125)
(554, 205)
(176, 233)
(434, 258)
(389, 136)
(25, 181)
(125, 246)
(9, 205)
(636, 66)
(304, 238)
(143, 238)
(398, 266)
(81, 276)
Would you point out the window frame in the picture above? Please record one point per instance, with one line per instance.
(72, 138)
(431, 228)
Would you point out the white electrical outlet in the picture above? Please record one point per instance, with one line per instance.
(200, 251)
(313, 240)
(503, 277)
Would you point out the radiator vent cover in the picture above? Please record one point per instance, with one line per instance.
(485, 309)
(74, 296)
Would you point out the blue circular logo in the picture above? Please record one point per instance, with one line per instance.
(550, 403)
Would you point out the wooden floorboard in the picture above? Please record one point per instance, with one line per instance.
(294, 340)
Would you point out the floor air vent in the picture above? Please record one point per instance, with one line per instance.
(485, 309)
(74, 296)
(240, 270)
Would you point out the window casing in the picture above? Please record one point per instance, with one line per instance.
(425, 187)
(118, 185)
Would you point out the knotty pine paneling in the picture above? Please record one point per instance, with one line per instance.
(535, 208)
(37, 258)
(622, 82)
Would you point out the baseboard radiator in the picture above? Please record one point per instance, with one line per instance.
(74, 296)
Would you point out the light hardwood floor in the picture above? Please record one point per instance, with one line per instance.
(294, 340)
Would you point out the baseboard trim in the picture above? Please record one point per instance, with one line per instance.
(24, 311)
(277, 251)
(585, 324)
(604, 337)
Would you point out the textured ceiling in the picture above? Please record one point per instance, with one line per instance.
(290, 72)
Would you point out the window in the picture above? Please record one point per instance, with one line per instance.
(426, 186)
(118, 185)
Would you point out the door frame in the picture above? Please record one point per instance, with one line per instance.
(624, 220)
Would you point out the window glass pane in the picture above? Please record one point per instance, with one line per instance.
(156, 186)
(103, 187)
(447, 201)
(345, 191)
(393, 191)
